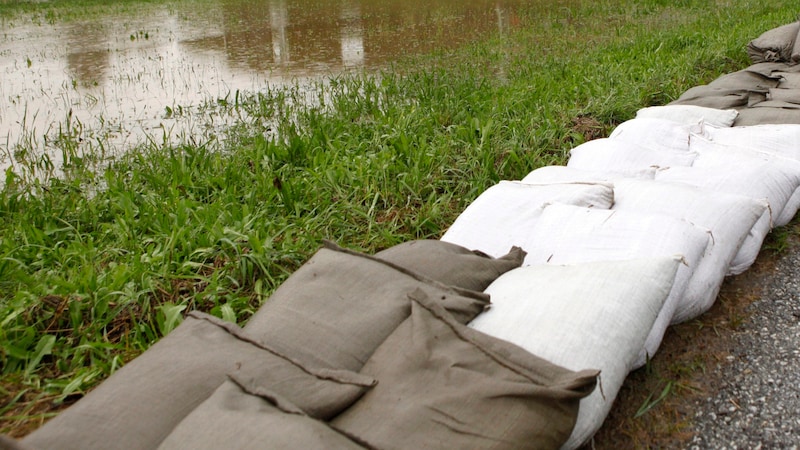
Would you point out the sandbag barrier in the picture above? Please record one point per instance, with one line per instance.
(516, 329)
(680, 188)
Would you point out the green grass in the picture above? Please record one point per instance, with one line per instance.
(97, 266)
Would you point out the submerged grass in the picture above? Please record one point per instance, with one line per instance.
(97, 266)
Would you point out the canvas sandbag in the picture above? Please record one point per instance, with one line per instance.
(730, 218)
(339, 306)
(766, 116)
(564, 174)
(503, 215)
(617, 155)
(9, 443)
(595, 314)
(775, 45)
(238, 417)
(784, 104)
(789, 80)
(451, 264)
(656, 134)
(785, 95)
(753, 79)
(772, 69)
(731, 90)
(714, 97)
(445, 386)
(139, 405)
(570, 234)
(690, 114)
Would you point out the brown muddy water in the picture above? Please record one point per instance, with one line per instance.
(116, 79)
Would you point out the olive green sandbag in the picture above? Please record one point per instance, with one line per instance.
(767, 115)
(139, 405)
(450, 263)
(339, 307)
(442, 385)
(238, 417)
(775, 45)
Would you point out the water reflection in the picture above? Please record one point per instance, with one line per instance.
(119, 75)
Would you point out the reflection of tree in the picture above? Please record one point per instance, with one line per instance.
(394, 29)
(87, 53)
(270, 35)
(279, 21)
(319, 35)
(352, 35)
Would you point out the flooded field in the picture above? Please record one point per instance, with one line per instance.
(114, 77)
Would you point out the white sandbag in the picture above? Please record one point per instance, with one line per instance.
(590, 315)
(615, 155)
(731, 218)
(761, 181)
(504, 215)
(657, 134)
(564, 174)
(782, 140)
(751, 246)
(715, 154)
(572, 234)
(690, 114)
(758, 183)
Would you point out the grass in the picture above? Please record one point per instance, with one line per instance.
(96, 265)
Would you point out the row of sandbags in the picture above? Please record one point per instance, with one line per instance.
(635, 233)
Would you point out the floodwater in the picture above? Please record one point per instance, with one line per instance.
(115, 79)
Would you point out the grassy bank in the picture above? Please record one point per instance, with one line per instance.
(95, 267)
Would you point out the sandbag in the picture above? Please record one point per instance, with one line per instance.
(731, 90)
(236, 417)
(690, 114)
(731, 219)
(594, 314)
(656, 134)
(781, 140)
(140, 404)
(9, 443)
(339, 306)
(451, 264)
(765, 116)
(714, 97)
(753, 79)
(564, 174)
(617, 155)
(779, 181)
(571, 234)
(789, 80)
(445, 386)
(785, 95)
(775, 45)
(763, 180)
(504, 215)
